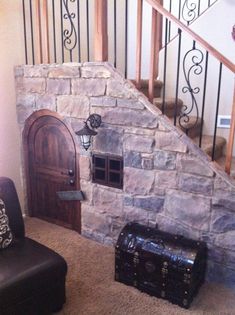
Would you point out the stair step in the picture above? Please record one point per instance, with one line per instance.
(169, 106)
(207, 145)
(193, 126)
(144, 87)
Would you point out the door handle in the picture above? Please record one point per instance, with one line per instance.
(70, 172)
(71, 182)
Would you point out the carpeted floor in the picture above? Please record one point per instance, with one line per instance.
(91, 289)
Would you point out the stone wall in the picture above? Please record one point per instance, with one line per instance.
(167, 179)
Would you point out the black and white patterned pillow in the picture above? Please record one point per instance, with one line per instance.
(5, 231)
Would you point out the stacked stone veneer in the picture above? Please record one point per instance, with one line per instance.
(167, 179)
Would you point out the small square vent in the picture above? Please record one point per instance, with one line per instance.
(224, 121)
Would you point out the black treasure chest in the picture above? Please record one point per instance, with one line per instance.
(159, 263)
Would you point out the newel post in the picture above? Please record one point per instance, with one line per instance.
(229, 152)
(100, 34)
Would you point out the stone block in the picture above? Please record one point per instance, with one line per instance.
(84, 167)
(103, 101)
(221, 184)
(170, 225)
(132, 159)
(192, 165)
(220, 274)
(62, 72)
(117, 89)
(98, 71)
(27, 100)
(46, 101)
(87, 189)
(128, 201)
(73, 106)
(31, 85)
(151, 203)
(164, 160)
(108, 201)
(96, 222)
(138, 181)
(138, 143)
(189, 209)
(128, 117)
(130, 103)
(140, 131)
(226, 240)
(36, 71)
(169, 141)
(116, 228)
(222, 220)
(23, 113)
(196, 184)
(88, 87)
(224, 199)
(108, 141)
(147, 163)
(58, 86)
(165, 179)
(19, 71)
(136, 214)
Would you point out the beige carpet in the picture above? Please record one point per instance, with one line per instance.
(91, 289)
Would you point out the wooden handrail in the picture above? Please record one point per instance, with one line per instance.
(158, 7)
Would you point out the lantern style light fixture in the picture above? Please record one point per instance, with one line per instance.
(86, 133)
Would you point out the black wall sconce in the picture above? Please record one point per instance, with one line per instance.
(86, 133)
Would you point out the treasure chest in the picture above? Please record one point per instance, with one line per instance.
(159, 263)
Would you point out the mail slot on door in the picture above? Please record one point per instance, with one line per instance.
(72, 195)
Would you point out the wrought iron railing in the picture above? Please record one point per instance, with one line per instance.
(64, 30)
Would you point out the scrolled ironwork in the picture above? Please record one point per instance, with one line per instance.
(189, 11)
(192, 66)
(69, 34)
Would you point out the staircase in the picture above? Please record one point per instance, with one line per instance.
(192, 127)
(167, 24)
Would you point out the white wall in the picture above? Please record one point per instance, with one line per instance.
(215, 26)
(11, 53)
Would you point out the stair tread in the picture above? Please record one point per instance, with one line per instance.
(207, 142)
(169, 102)
(145, 83)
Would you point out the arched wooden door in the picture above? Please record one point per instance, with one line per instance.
(51, 163)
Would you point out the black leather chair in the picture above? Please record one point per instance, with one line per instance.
(32, 276)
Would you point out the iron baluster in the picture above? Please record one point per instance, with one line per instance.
(199, 8)
(179, 14)
(79, 38)
(88, 31)
(177, 76)
(31, 25)
(69, 35)
(217, 111)
(196, 57)
(203, 100)
(169, 27)
(61, 24)
(25, 33)
(115, 32)
(189, 11)
(54, 33)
